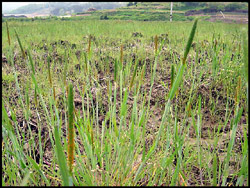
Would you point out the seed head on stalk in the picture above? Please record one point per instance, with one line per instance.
(121, 57)
(190, 40)
(70, 128)
(89, 47)
(156, 43)
(8, 33)
(179, 75)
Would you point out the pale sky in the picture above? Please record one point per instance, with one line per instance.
(7, 6)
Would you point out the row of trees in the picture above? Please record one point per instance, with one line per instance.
(214, 7)
(131, 4)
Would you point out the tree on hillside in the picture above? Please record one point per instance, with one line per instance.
(104, 17)
(61, 12)
(191, 4)
(130, 4)
(213, 7)
(233, 7)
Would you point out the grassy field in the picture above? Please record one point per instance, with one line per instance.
(112, 102)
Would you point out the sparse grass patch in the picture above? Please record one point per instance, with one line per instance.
(124, 103)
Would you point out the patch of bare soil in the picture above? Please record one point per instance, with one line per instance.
(228, 18)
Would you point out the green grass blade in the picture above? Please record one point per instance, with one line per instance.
(230, 146)
(214, 170)
(177, 82)
(31, 62)
(20, 44)
(48, 64)
(61, 158)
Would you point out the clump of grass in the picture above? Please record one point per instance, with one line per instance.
(114, 144)
(166, 110)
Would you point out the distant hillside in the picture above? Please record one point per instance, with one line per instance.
(142, 11)
(61, 8)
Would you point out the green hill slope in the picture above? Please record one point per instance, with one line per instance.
(160, 11)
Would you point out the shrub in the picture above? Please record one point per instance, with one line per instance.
(233, 6)
(104, 17)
